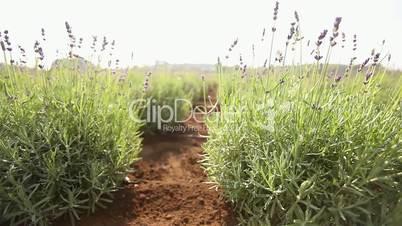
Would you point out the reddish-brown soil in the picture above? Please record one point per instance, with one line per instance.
(169, 188)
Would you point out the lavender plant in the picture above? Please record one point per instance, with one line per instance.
(65, 146)
(297, 148)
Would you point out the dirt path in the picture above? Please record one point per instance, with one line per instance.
(169, 188)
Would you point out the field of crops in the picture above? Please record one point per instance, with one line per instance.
(283, 143)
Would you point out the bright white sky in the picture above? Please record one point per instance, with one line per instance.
(189, 31)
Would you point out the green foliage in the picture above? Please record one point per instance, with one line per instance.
(68, 136)
(176, 92)
(306, 151)
(171, 91)
(66, 142)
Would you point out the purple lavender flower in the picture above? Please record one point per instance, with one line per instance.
(365, 62)
(3, 47)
